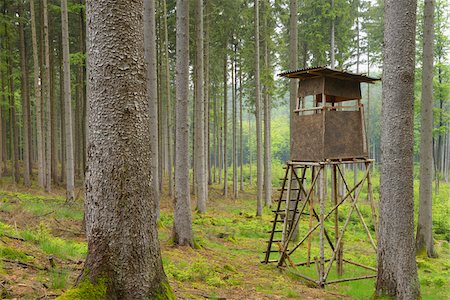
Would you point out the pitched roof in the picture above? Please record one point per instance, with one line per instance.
(324, 71)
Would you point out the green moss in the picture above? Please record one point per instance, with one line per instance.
(86, 290)
(166, 292)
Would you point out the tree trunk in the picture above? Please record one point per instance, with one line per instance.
(332, 46)
(199, 153)
(2, 127)
(37, 95)
(234, 124)
(70, 175)
(397, 271)
(25, 101)
(241, 131)
(47, 99)
(169, 99)
(225, 123)
(206, 99)
(152, 87)
(424, 237)
(120, 211)
(53, 110)
(182, 224)
(259, 165)
(14, 134)
(293, 60)
(62, 177)
(267, 108)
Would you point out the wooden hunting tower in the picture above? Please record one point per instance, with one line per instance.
(326, 135)
(326, 128)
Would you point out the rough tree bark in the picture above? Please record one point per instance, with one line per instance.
(267, 109)
(69, 164)
(182, 223)
(13, 128)
(150, 59)
(169, 104)
(397, 271)
(332, 44)
(225, 123)
(120, 213)
(259, 164)
(424, 237)
(37, 95)
(234, 120)
(47, 99)
(201, 166)
(293, 83)
(25, 101)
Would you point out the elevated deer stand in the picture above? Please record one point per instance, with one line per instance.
(326, 135)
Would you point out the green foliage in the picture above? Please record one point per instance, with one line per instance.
(78, 59)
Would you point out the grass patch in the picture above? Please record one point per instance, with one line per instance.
(50, 244)
(59, 279)
(14, 254)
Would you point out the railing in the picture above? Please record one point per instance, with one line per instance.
(327, 107)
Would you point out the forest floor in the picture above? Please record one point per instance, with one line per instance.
(43, 247)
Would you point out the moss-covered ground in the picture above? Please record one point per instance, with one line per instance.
(42, 249)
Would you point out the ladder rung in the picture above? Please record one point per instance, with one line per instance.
(269, 261)
(274, 241)
(271, 251)
(287, 189)
(278, 221)
(274, 231)
(279, 211)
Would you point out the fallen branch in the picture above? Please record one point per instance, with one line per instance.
(14, 237)
(23, 264)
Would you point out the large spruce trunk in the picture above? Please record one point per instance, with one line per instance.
(121, 230)
(397, 272)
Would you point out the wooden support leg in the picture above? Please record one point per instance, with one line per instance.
(322, 229)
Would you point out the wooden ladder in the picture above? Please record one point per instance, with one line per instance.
(284, 214)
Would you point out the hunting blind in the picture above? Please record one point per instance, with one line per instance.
(328, 133)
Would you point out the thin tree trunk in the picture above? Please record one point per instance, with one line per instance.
(332, 46)
(70, 174)
(2, 127)
(182, 225)
(215, 150)
(206, 96)
(397, 271)
(152, 87)
(293, 60)
(234, 124)
(47, 100)
(267, 108)
(169, 106)
(38, 103)
(62, 178)
(199, 153)
(250, 179)
(259, 154)
(25, 100)
(241, 132)
(424, 237)
(220, 140)
(14, 134)
(225, 123)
